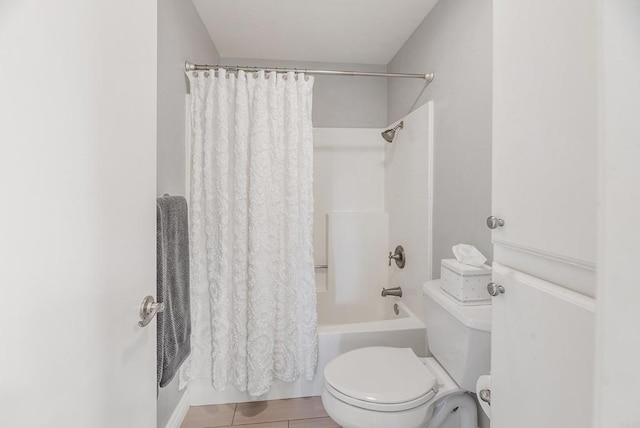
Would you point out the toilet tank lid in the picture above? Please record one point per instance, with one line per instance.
(475, 317)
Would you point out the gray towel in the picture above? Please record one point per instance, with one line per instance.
(174, 324)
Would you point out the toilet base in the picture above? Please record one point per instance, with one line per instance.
(465, 405)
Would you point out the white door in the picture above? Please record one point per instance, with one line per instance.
(545, 165)
(542, 354)
(77, 212)
(545, 189)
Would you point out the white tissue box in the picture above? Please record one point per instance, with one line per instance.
(466, 284)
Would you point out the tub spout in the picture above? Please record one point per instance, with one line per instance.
(395, 291)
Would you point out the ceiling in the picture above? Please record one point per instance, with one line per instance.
(344, 31)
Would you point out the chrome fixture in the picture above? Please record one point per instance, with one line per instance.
(395, 291)
(494, 222)
(148, 309)
(399, 256)
(485, 395)
(204, 67)
(390, 134)
(396, 309)
(321, 267)
(495, 289)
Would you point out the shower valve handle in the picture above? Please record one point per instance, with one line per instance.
(399, 256)
(393, 257)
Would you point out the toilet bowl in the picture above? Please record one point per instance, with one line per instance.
(386, 387)
(361, 390)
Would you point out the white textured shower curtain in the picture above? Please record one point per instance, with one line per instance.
(251, 198)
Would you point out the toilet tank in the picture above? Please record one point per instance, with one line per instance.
(458, 336)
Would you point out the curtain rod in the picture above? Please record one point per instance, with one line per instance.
(194, 67)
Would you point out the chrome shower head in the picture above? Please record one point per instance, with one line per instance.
(390, 134)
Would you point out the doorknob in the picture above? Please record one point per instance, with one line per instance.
(485, 395)
(495, 289)
(148, 309)
(494, 222)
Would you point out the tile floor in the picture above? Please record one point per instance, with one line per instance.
(294, 413)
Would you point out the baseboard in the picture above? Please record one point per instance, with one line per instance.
(179, 412)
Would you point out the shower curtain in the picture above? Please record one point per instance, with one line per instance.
(253, 291)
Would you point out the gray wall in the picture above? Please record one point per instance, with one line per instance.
(338, 101)
(454, 41)
(181, 36)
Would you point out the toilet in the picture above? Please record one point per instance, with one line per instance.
(386, 387)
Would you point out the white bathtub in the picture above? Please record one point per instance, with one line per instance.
(402, 330)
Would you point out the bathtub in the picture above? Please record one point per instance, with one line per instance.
(404, 329)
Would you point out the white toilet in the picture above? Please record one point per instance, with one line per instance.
(384, 387)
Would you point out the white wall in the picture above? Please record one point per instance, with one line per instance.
(618, 294)
(454, 41)
(408, 200)
(181, 36)
(339, 101)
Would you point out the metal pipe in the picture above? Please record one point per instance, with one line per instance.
(195, 67)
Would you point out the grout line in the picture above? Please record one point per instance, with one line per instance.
(235, 409)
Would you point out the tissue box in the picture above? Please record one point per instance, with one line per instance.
(466, 284)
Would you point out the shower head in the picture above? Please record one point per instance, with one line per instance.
(390, 134)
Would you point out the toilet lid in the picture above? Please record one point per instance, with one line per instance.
(380, 374)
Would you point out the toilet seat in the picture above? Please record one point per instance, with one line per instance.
(380, 378)
(394, 407)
